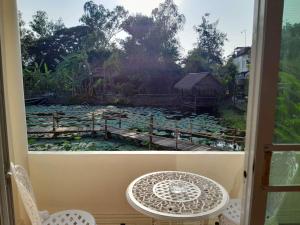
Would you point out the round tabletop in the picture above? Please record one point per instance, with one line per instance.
(176, 195)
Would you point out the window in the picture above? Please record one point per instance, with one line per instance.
(275, 185)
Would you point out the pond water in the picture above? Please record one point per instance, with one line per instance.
(134, 118)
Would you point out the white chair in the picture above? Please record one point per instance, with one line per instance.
(286, 170)
(67, 217)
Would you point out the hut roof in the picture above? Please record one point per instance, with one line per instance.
(190, 80)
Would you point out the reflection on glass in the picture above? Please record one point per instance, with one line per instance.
(284, 168)
(287, 127)
(283, 208)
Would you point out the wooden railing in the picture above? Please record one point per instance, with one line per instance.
(99, 123)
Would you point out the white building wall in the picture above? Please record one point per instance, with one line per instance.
(241, 63)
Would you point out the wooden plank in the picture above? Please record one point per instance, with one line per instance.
(163, 142)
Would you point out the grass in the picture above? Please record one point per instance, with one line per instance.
(232, 117)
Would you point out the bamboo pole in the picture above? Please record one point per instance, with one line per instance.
(191, 132)
(176, 140)
(120, 120)
(93, 123)
(150, 131)
(176, 136)
(195, 104)
(105, 128)
(55, 123)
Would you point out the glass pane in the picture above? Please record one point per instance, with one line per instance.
(285, 168)
(283, 208)
(287, 127)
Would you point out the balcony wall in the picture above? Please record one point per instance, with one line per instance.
(97, 181)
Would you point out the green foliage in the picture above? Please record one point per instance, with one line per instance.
(228, 73)
(287, 127)
(53, 48)
(210, 40)
(196, 63)
(104, 23)
(208, 53)
(71, 72)
(152, 47)
(38, 78)
(288, 109)
(233, 118)
(27, 38)
(42, 26)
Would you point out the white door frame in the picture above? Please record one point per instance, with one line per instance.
(6, 200)
(261, 111)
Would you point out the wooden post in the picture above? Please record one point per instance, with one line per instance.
(176, 136)
(150, 131)
(55, 123)
(195, 104)
(93, 123)
(176, 139)
(234, 139)
(120, 121)
(191, 131)
(105, 128)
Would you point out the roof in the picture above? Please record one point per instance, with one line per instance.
(239, 51)
(190, 80)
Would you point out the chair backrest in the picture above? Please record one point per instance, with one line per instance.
(26, 192)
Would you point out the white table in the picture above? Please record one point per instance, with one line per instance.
(176, 195)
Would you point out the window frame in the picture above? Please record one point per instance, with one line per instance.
(261, 111)
(6, 196)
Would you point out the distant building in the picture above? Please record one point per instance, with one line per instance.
(199, 89)
(241, 59)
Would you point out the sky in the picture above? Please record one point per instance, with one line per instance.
(235, 16)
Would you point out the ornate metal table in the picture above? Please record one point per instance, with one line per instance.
(175, 195)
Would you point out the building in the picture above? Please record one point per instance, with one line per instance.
(241, 59)
(199, 89)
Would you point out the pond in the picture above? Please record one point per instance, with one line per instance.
(133, 118)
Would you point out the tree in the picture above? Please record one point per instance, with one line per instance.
(287, 127)
(42, 26)
(38, 79)
(228, 74)
(207, 56)
(290, 48)
(26, 38)
(105, 24)
(210, 41)
(168, 21)
(71, 74)
(53, 48)
(195, 62)
(152, 47)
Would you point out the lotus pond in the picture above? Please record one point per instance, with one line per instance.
(135, 118)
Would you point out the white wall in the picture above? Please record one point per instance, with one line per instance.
(241, 63)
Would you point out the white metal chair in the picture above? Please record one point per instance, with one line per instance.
(286, 169)
(67, 217)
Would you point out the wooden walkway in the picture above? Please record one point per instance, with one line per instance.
(164, 142)
(157, 141)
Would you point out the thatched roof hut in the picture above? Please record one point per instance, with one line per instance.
(199, 84)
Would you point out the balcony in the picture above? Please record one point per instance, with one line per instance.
(94, 181)
(97, 182)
